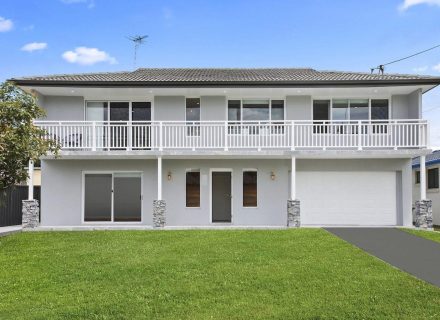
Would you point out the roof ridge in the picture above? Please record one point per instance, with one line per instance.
(72, 74)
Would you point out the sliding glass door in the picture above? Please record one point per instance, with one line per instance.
(112, 197)
(127, 197)
(113, 119)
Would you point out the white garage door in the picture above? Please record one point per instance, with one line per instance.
(347, 198)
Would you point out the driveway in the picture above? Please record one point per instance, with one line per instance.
(417, 256)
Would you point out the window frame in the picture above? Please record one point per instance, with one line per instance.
(193, 130)
(436, 180)
(242, 185)
(200, 188)
(240, 122)
(130, 101)
(112, 172)
(417, 177)
(317, 98)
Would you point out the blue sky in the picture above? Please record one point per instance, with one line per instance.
(68, 36)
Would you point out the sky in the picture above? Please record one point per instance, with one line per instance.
(39, 37)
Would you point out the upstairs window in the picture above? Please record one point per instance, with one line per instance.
(379, 109)
(193, 116)
(257, 110)
(433, 178)
(321, 113)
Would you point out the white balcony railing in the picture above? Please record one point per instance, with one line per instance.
(223, 135)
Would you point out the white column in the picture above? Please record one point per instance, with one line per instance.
(293, 179)
(159, 178)
(422, 178)
(31, 180)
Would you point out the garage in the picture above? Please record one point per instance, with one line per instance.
(356, 198)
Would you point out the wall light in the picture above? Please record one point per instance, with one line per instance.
(272, 175)
(169, 176)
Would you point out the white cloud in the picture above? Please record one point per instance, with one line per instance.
(90, 3)
(436, 67)
(87, 56)
(410, 3)
(420, 69)
(34, 46)
(5, 24)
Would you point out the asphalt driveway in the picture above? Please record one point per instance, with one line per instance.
(417, 256)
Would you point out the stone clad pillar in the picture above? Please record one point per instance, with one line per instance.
(424, 214)
(423, 206)
(159, 213)
(30, 214)
(293, 214)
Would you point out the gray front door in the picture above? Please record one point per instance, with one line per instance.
(221, 197)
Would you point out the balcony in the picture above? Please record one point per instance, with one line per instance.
(223, 135)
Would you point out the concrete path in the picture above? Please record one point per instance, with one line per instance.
(415, 255)
(4, 231)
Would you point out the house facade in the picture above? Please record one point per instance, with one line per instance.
(432, 169)
(230, 147)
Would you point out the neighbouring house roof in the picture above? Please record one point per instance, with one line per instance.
(431, 159)
(225, 77)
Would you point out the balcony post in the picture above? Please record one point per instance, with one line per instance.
(94, 136)
(226, 136)
(422, 178)
(293, 179)
(359, 135)
(159, 178)
(31, 180)
(160, 136)
(293, 204)
(259, 135)
(129, 136)
(159, 205)
(292, 136)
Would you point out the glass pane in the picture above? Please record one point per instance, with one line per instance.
(193, 109)
(256, 110)
(234, 110)
(249, 189)
(193, 189)
(340, 110)
(321, 110)
(379, 109)
(277, 112)
(97, 197)
(359, 109)
(127, 197)
(141, 111)
(119, 111)
(96, 111)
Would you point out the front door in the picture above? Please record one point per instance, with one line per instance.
(221, 197)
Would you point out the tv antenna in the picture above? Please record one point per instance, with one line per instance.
(137, 40)
(381, 68)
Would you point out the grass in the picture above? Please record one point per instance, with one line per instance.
(279, 274)
(431, 235)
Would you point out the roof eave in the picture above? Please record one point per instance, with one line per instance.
(176, 84)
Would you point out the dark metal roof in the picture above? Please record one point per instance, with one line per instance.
(432, 158)
(223, 77)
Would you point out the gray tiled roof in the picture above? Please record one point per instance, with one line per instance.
(222, 75)
(431, 158)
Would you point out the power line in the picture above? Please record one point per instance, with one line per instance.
(381, 67)
(438, 107)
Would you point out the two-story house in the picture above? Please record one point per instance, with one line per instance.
(230, 147)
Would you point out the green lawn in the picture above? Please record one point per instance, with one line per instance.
(431, 235)
(280, 274)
